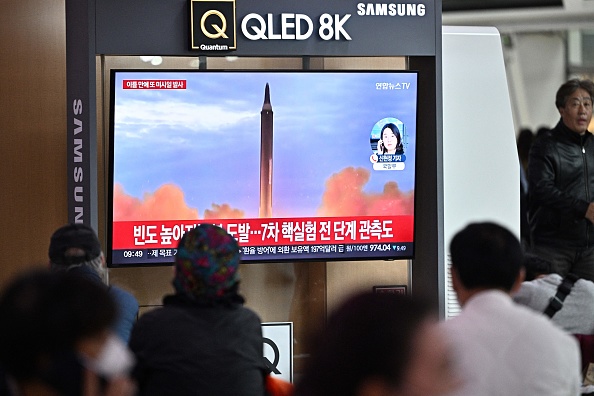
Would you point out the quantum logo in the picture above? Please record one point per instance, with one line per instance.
(212, 25)
(220, 31)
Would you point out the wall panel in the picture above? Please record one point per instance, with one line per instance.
(33, 113)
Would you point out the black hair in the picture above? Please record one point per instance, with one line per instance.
(570, 87)
(391, 126)
(369, 336)
(486, 255)
(44, 314)
(542, 131)
(524, 142)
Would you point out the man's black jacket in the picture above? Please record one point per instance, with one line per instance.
(560, 188)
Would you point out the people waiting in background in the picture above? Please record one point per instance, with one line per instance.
(542, 131)
(561, 184)
(574, 314)
(75, 248)
(523, 143)
(378, 345)
(503, 348)
(202, 341)
(56, 338)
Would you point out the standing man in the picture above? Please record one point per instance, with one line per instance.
(75, 248)
(499, 347)
(561, 185)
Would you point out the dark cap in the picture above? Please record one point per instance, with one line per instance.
(74, 236)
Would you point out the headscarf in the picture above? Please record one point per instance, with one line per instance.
(206, 263)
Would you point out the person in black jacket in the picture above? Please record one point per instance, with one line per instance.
(523, 143)
(561, 185)
(202, 341)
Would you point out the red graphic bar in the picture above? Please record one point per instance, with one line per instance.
(270, 232)
(154, 84)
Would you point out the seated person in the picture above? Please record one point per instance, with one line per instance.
(55, 338)
(541, 285)
(75, 248)
(502, 348)
(378, 345)
(202, 341)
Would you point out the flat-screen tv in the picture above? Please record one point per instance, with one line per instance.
(297, 165)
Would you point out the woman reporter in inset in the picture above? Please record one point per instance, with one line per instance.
(390, 140)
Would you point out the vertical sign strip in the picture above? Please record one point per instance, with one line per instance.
(81, 112)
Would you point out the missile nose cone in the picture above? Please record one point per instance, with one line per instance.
(267, 105)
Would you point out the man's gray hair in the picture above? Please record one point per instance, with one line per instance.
(96, 265)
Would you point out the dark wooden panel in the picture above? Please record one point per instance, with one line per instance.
(33, 149)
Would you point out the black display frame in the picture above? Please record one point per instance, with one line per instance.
(134, 261)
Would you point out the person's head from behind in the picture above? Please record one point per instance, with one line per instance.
(75, 247)
(574, 102)
(55, 325)
(524, 142)
(485, 256)
(206, 264)
(542, 131)
(377, 344)
(391, 139)
(536, 267)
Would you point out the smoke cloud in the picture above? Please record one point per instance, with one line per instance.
(166, 203)
(344, 196)
(223, 211)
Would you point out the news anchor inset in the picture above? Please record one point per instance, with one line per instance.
(387, 144)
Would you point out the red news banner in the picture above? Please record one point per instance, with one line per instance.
(270, 232)
(154, 84)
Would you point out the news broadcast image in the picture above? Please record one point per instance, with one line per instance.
(281, 159)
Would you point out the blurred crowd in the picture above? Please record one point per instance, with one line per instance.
(526, 325)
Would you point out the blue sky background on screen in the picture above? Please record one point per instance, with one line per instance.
(206, 138)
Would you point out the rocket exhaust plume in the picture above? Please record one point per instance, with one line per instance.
(166, 203)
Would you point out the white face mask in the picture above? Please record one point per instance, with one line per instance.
(115, 359)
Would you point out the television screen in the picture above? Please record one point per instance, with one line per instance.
(297, 165)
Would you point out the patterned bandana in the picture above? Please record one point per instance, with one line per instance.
(206, 262)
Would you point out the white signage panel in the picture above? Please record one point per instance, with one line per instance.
(278, 349)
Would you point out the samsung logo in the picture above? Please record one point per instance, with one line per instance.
(390, 9)
(77, 158)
